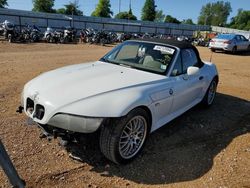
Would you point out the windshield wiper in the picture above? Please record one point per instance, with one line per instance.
(121, 64)
(125, 65)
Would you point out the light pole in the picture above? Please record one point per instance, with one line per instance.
(119, 6)
(129, 9)
(72, 18)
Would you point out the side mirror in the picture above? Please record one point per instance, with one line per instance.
(192, 71)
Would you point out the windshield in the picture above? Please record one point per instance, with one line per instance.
(145, 56)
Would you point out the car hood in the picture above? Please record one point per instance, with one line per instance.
(77, 82)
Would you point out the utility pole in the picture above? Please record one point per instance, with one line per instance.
(129, 9)
(119, 6)
(72, 18)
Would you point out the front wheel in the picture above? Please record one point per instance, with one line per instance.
(234, 50)
(122, 139)
(10, 38)
(210, 94)
(48, 38)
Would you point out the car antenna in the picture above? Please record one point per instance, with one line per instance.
(211, 56)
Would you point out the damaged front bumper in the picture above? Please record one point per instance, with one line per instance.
(75, 123)
(68, 122)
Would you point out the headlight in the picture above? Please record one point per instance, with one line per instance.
(76, 123)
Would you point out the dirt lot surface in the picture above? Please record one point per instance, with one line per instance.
(202, 148)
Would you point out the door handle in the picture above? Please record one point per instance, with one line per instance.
(201, 77)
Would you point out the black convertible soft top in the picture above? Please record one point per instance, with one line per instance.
(178, 44)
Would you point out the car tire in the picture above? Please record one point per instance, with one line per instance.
(213, 50)
(234, 50)
(122, 139)
(10, 38)
(62, 40)
(209, 97)
(48, 38)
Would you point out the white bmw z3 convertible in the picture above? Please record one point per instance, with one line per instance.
(139, 86)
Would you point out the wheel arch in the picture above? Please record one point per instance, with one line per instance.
(143, 107)
(149, 114)
(216, 77)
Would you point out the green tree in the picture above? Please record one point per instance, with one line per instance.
(159, 16)
(215, 13)
(43, 6)
(148, 11)
(170, 19)
(188, 21)
(241, 20)
(3, 3)
(126, 15)
(71, 8)
(61, 11)
(103, 9)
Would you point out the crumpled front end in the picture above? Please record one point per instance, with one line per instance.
(44, 112)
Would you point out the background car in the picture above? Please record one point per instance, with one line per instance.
(229, 43)
(136, 88)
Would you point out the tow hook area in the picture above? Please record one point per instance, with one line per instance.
(19, 110)
(64, 137)
(50, 132)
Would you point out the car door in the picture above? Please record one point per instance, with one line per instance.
(238, 43)
(244, 43)
(187, 89)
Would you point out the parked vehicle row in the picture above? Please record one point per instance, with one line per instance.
(27, 34)
(30, 33)
(102, 37)
(8, 30)
(222, 42)
(67, 34)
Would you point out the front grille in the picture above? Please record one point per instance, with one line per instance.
(37, 109)
(29, 105)
(39, 112)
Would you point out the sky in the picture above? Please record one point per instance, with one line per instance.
(180, 9)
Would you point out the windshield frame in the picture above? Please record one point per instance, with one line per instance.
(118, 47)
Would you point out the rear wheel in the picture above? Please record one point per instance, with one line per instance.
(234, 50)
(10, 38)
(103, 42)
(48, 38)
(63, 40)
(122, 139)
(213, 50)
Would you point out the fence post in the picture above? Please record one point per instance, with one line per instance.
(9, 168)
(20, 23)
